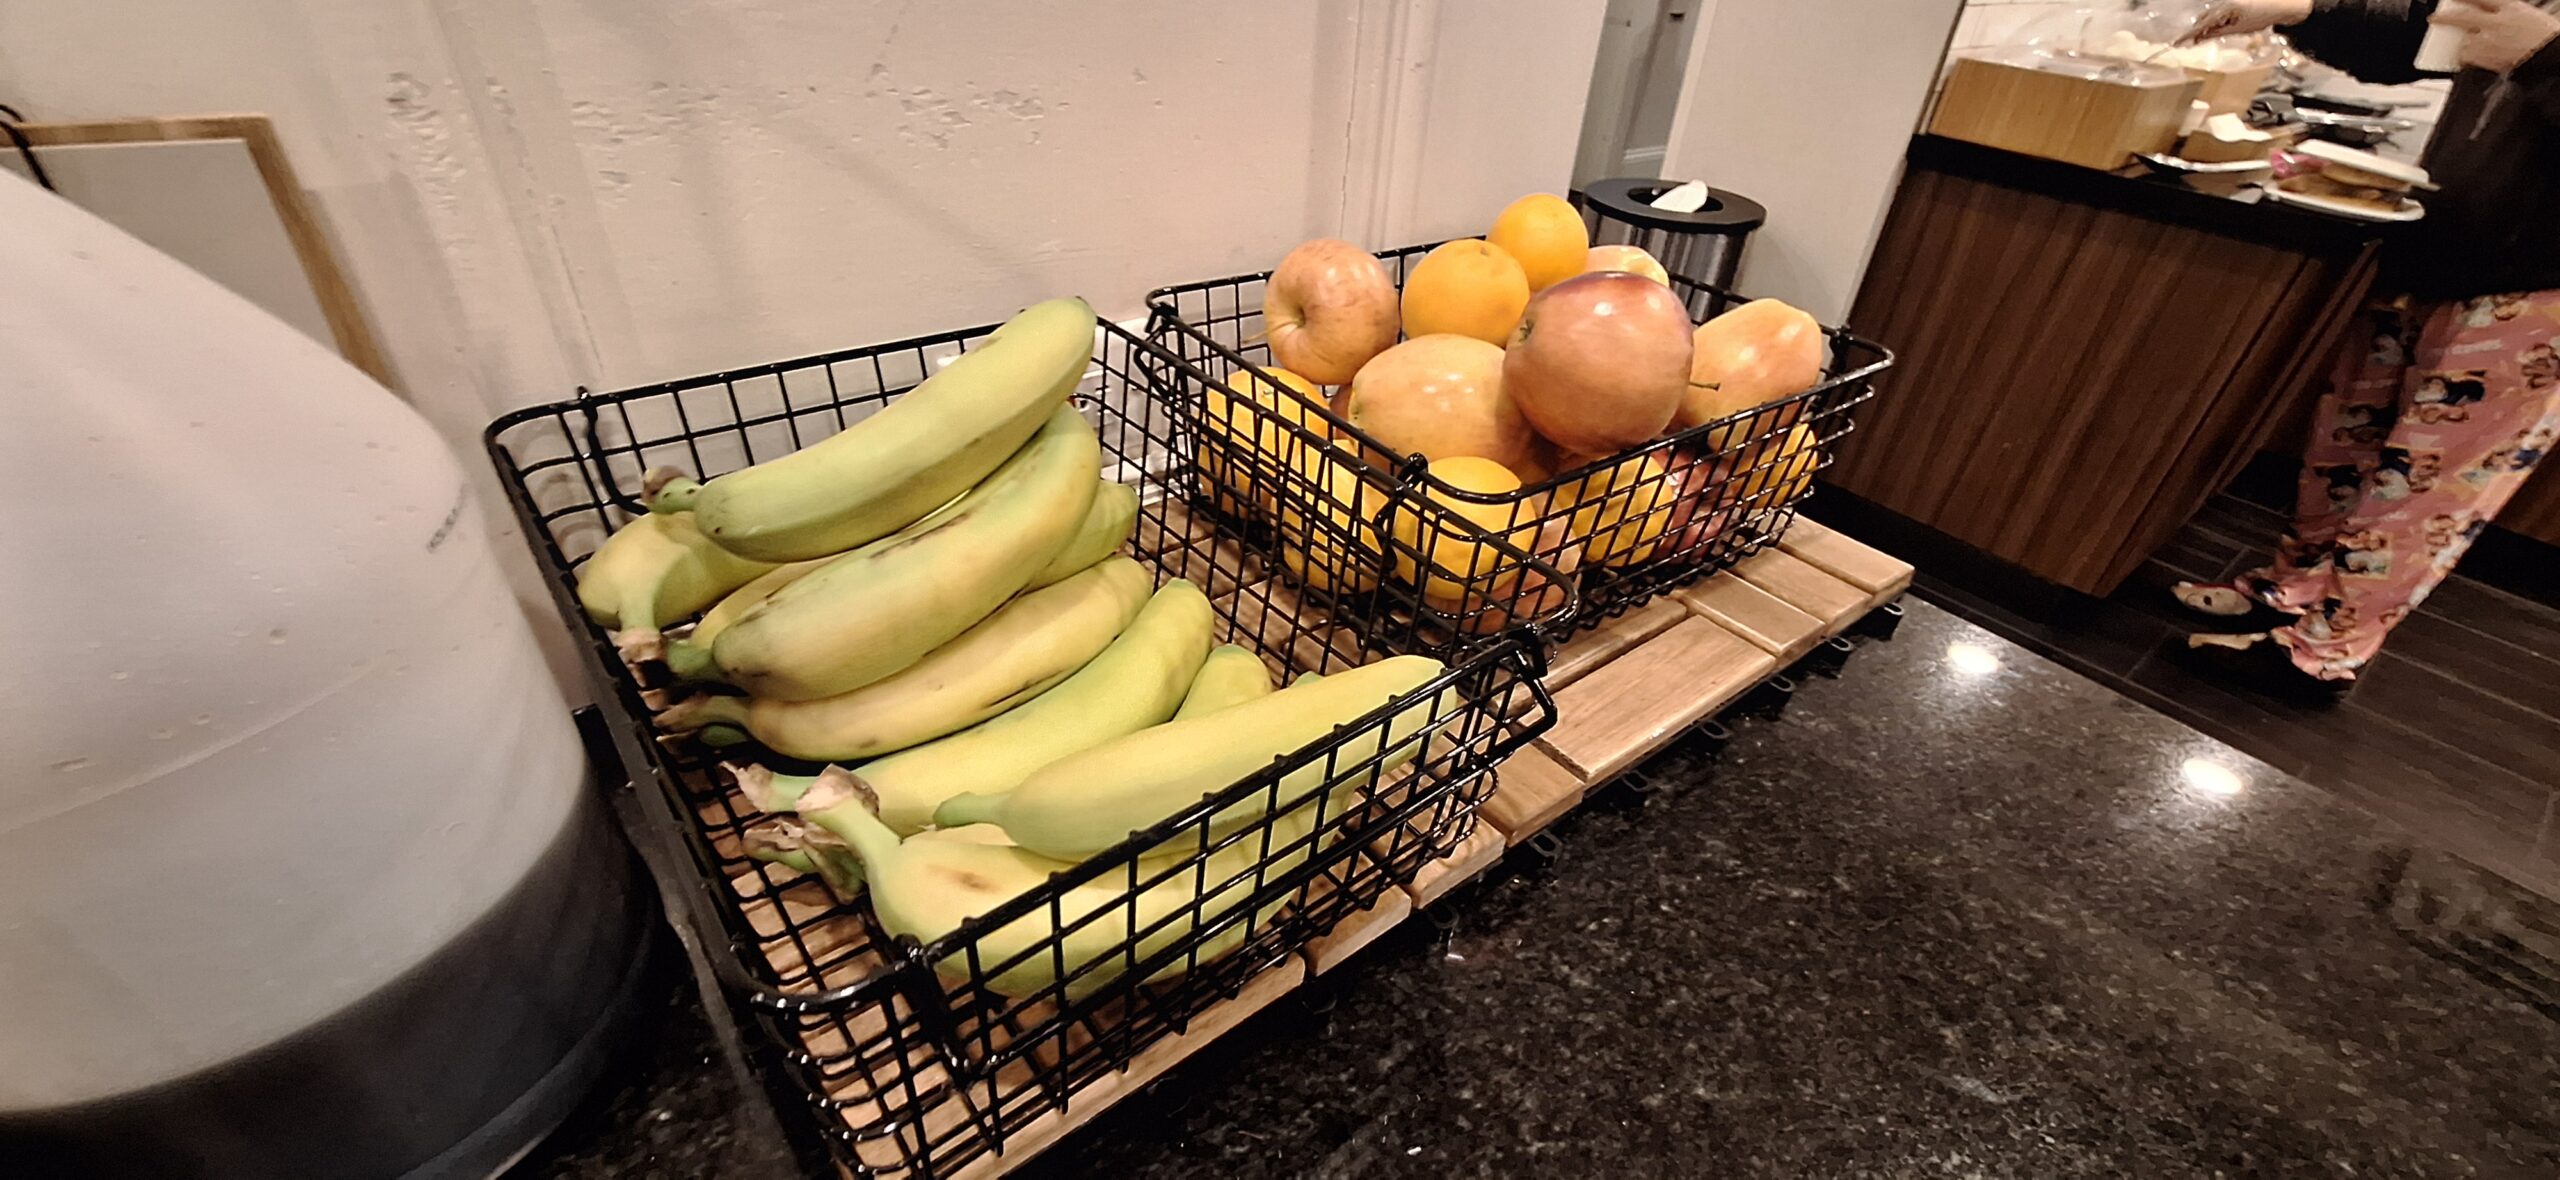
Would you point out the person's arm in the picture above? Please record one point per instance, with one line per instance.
(2375, 40)
(2539, 79)
(2517, 39)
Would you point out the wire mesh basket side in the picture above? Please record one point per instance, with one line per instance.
(1606, 533)
(907, 1073)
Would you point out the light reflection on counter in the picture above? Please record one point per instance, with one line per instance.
(1972, 659)
(2212, 779)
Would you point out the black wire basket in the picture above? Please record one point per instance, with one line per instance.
(1566, 551)
(902, 1071)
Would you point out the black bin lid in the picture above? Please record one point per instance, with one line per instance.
(1626, 199)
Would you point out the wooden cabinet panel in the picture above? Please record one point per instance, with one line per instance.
(2075, 380)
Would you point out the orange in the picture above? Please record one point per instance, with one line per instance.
(1257, 443)
(1466, 288)
(1451, 539)
(1544, 233)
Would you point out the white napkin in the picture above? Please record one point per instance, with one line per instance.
(1688, 198)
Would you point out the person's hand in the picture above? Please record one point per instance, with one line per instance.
(2504, 33)
(2233, 17)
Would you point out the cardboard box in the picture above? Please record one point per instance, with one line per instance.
(2097, 113)
(2229, 92)
(2203, 148)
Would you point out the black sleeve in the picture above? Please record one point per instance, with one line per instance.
(2375, 40)
(2538, 82)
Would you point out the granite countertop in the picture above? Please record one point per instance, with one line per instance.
(2241, 213)
(1942, 918)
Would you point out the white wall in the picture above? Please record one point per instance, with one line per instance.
(1808, 106)
(534, 194)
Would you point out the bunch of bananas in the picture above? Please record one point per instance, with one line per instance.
(934, 598)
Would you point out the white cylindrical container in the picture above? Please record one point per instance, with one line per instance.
(2441, 52)
(300, 874)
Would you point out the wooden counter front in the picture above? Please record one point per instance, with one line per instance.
(2084, 357)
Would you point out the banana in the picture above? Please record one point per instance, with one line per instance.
(1136, 682)
(873, 612)
(818, 852)
(1086, 803)
(882, 473)
(656, 569)
(1230, 676)
(926, 888)
(690, 657)
(1107, 526)
(1015, 654)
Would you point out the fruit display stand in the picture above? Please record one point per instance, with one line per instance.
(965, 1056)
(1565, 553)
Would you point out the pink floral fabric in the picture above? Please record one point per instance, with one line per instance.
(2435, 414)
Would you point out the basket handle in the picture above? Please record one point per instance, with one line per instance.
(690, 906)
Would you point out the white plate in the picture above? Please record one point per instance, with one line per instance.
(2408, 211)
(2169, 163)
(2332, 153)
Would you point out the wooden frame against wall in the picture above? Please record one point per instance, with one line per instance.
(329, 282)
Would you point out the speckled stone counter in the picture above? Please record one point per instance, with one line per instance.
(1959, 912)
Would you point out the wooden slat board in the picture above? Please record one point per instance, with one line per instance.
(1535, 791)
(1759, 617)
(1357, 931)
(1149, 1064)
(1787, 577)
(1480, 851)
(1608, 641)
(1834, 553)
(1614, 717)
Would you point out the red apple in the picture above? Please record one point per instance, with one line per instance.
(1440, 397)
(1600, 361)
(1328, 309)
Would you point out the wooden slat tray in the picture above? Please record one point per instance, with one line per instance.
(1623, 690)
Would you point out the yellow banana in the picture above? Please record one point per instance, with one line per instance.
(926, 888)
(884, 472)
(690, 657)
(817, 851)
(1106, 527)
(1015, 654)
(656, 569)
(1230, 676)
(1136, 682)
(1085, 803)
(873, 612)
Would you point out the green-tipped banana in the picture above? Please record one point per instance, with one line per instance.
(1107, 526)
(1136, 682)
(1017, 653)
(1086, 803)
(807, 850)
(926, 888)
(1230, 676)
(874, 612)
(656, 570)
(885, 472)
(690, 657)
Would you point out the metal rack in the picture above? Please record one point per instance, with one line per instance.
(1707, 497)
(899, 1059)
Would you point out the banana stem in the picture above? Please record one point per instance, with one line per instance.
(640, 645)
(840, 802)
(959, 811)
(795, 847)
(775, 794)
(780, 844)
(666, 489)
(703, 712)
(692, 662)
